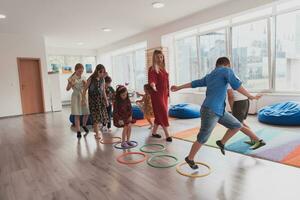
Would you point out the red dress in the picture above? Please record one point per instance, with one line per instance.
(160, 98)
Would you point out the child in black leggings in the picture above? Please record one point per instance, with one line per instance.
(110, 93)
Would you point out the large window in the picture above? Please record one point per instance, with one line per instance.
(288, 52)
(250, 54)
(129, 68)
(263, 45)
(140, 69)
(212, 45)
(186, 59)
(122, 67)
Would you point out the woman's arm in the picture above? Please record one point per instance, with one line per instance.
(152, 78)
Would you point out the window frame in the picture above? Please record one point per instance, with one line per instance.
(271, 20)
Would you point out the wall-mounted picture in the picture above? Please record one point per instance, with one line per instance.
(67, 70)
(55, 68)
(89, 68)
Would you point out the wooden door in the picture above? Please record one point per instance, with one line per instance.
(31, 85)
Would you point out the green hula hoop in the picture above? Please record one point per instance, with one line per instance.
(142, 149)
(149, 161)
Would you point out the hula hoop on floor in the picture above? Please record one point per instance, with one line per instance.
(121, 160)
(154, 151)
(110, 140)
(149, 161)
(193, 175)
(118, 145)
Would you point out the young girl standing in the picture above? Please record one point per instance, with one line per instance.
(122, 115)
(146, 104)
(97, 98)
(78, 100)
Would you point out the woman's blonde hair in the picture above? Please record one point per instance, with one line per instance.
(154, 65)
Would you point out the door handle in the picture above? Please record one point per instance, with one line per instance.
(22, 86)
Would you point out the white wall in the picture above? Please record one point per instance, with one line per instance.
(71, 52)
(11, 47)
(63, 78)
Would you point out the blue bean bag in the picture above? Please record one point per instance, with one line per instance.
(89, 122)
(137, 113)
(286, 113)
(185, 111)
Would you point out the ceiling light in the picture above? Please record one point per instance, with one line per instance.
(106, 29)
(80, 43)
(158, 5)
(2, 16)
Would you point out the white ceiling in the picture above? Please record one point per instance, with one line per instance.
(64, 23)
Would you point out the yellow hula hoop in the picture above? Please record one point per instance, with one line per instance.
(193, 175)
(110, 140)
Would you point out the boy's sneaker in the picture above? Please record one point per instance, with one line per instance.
(221, 146)
(251, 142)
(191, 163)
(125, 145)
(78, 134)
(258, 144)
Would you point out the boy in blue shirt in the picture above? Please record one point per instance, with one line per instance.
(213, 107)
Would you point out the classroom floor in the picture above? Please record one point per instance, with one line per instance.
(41, 158)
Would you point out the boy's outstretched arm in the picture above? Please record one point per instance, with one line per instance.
(175, 88)
(193, 84)
(243, 91)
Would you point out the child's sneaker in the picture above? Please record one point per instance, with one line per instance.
(221, 146)
(251, 142)
(191, 163)
(132, 144)
(125, 145)
(85, 129)
(258, 144)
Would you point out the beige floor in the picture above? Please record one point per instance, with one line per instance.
(40, 158)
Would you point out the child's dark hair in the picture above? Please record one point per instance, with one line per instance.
(147, 87)
(222, 61)
(120, 90)
(108, 79)
(99, 67)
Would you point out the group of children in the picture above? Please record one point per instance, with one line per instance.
(102, 99)
(104, 102)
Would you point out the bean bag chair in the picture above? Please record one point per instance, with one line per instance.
(286, 114)
(185, 111)
(89, 122)
(137, 113)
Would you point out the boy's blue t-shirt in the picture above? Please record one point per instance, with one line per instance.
(216, 83)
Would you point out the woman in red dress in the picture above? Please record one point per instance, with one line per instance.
(158, 79)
